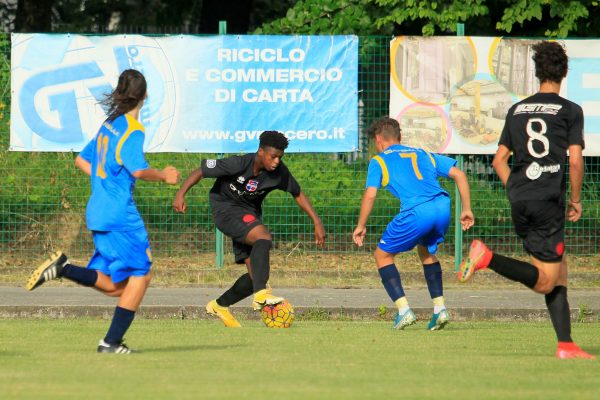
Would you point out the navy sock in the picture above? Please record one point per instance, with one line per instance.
(259, 261)
(560, 314)
(241, 289)
(433, 277)
(81, 275)
(390, 277)
(515, 270)
(121, 321)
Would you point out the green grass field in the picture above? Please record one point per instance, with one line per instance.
(195, 359)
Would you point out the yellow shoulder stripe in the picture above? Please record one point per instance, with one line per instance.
(132, 126)
(385, 179)
(431, 158)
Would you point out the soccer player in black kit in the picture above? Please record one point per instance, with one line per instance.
(539, 131)
(236, 199)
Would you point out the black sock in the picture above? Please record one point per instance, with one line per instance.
(121, 321)
(241, 289)
(433, 277)
(81, 275)
(515, 270)
(259, 261)
(390, 277)
(560, 314)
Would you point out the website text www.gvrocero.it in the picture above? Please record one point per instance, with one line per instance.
(242, 136)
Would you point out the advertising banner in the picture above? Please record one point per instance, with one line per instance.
(212, 94)
(451, 94)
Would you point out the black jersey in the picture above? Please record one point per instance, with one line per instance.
(237, 184)
(539, 130)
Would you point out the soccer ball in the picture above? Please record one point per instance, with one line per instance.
(279, 315)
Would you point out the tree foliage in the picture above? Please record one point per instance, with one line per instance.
(550, 18)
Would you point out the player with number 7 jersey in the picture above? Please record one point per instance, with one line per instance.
(411, 175)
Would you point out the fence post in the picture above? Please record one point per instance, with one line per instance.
(218, 234)
(458, 234)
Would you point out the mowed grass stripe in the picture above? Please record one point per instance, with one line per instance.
(186, 359)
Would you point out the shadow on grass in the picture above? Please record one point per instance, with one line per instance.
(169, 349)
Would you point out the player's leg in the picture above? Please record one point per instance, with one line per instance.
(124, 314)
(527, 218)
(58, 266)
(390, 278)
(261, 241)
(241, 289)
(434, 217)
(400, 235)
(559, 310)
(432, 270)
(245, 226)
(130, 263)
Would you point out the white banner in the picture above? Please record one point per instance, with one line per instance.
(451, 94)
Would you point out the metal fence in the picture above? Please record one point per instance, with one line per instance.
(43, 196)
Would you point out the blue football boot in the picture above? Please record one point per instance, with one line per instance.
(438, 321)
(401, 321)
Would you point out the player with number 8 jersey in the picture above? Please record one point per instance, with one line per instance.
(538, 132)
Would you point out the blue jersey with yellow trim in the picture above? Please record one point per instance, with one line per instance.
(115, 154)
(410, 174)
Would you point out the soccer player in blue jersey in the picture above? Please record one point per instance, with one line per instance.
(411, 175)
(120, 265)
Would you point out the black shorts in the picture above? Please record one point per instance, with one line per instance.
(541, 225)
(235, 222)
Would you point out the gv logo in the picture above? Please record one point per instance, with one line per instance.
(65, 103)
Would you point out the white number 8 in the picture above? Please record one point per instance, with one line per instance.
(537, 135)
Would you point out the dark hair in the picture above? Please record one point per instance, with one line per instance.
(386, 127)
(273, 139)
(130, 90)
(551, 61)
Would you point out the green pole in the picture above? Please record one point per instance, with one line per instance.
(218, 234)
(458, 233)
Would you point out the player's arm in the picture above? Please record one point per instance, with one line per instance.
(500, 163)
(466, 216)
(130, 154)
(366, 207)
(304, 203)
(83, 165)
(179, 203)
(576, 168)
(168, 175)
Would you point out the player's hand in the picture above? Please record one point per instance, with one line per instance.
(179, 203)
(466, 219)
(320, 234)
(171, 175)
(358, 236)
(574, 211)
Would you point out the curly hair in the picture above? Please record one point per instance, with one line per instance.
(130, 90)
(386, 127)
(273, 139)
(551, 61)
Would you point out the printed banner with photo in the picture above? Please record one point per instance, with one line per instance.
(212, 94)
(451, 94)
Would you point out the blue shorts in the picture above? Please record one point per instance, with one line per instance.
(121, 254)
(425, 224)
